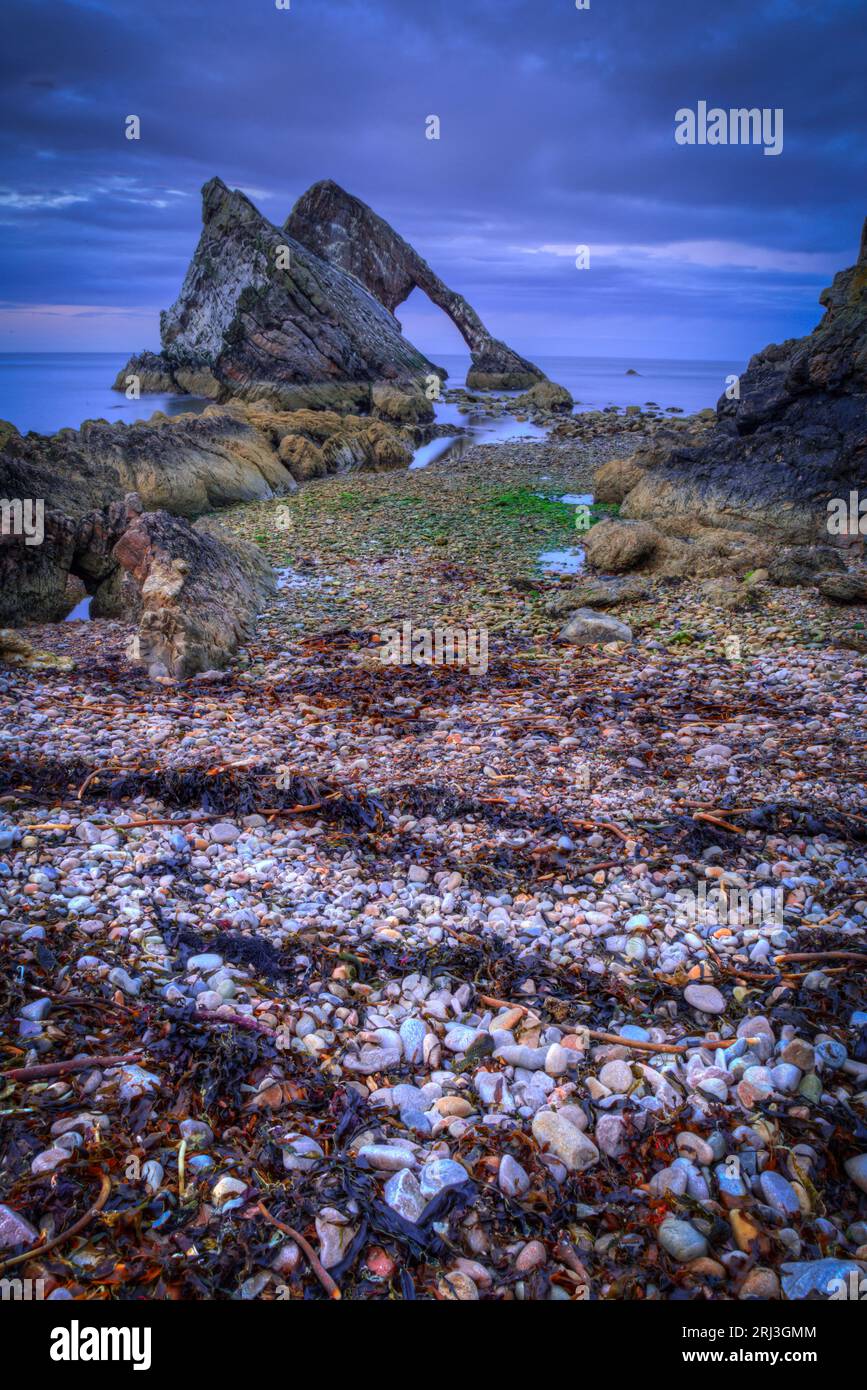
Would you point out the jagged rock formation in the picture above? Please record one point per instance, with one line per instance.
(303, 316)
(795, 438)
(260, 316)
(347, 233)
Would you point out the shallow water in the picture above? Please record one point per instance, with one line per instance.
(479, 429)
(81, 611)
(568, 561)
(596, 382)
(289, 578)
(48, 391)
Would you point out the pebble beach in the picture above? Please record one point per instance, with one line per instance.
(327, 978)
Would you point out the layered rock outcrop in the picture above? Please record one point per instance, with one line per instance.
(303, 316)
(347, 233)
(188, 465)
(260, 316)
(792, 438)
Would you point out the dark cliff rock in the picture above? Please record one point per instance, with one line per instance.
(347, 233)
(795, 437)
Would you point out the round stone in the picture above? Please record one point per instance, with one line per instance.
(705, 998)
(617, 1076)
(442, 1172)
(681, 1240)
(779, 1194)
(857, 1170)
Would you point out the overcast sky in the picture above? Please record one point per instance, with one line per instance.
(556, 130)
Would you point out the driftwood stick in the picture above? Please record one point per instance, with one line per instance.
(318, 1268)
(71, 1231)
(822, 955)
(43, 1069)
(718, 821)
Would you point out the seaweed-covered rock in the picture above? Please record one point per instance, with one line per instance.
(401, 406)
(546, 397)
(615, 546)
(302, 457)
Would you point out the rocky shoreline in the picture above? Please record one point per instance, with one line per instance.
(536, 979)
(397, 956)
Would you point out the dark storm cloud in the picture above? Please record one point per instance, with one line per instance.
(557, 130)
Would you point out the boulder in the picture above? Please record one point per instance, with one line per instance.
(615, 546)
(613, 480)
(843, 588)
(200, 592)
(795, 566)
(730, 596)
(600, 593)
(586, 628)
(546, 397)
(302, 457)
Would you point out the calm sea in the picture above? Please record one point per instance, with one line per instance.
(49, 391)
